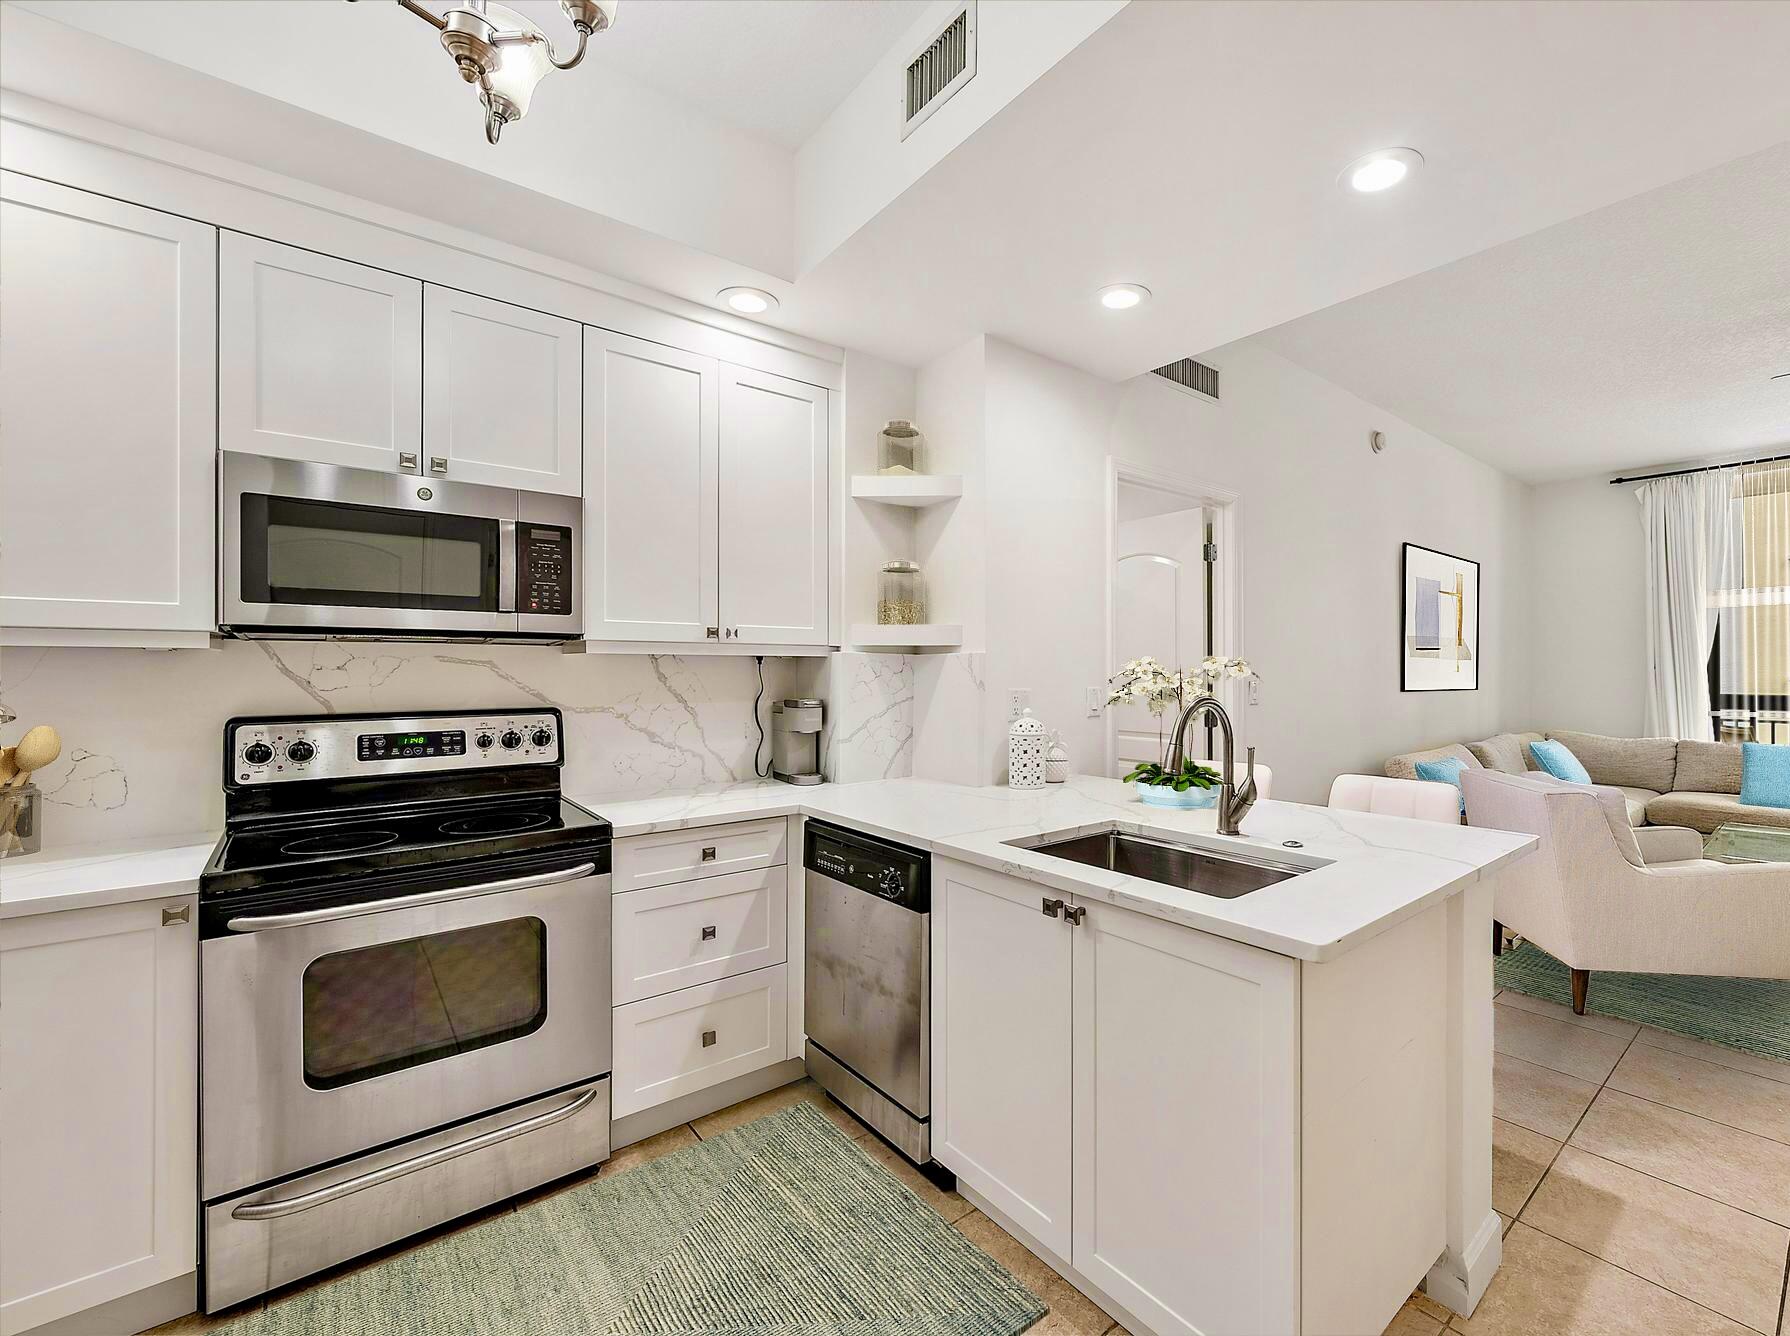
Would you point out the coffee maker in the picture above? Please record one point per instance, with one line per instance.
(795, 741)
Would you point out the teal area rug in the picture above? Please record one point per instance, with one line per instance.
(782, 1227)
(1752, 1015)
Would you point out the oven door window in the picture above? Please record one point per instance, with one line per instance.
(379, 1009)
(327, 553)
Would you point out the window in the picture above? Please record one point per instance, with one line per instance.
(1749, 667)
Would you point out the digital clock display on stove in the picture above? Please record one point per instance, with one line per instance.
(390, 746)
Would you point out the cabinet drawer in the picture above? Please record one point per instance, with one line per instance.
(698, 1037)
(713, 851)
(691, 932)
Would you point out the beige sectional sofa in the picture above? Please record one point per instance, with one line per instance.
(1664, 781)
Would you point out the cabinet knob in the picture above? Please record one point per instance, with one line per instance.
(714, 633)
(1075, 915)
(708, 933)
(407, 462)
(173, 916)
(733, 633)
(708, 853)
(708, 1038)
(1053, 907)
(438, 464)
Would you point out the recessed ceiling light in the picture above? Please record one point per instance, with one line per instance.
(1124, 296)
(748, 301)
(1380, 170)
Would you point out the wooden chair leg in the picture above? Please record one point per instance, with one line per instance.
(1497, 938)
(1581, 984)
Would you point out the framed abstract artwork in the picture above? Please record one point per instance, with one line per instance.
(1439, 636)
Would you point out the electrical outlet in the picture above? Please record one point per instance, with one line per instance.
(1095, 700)
(1019, 699)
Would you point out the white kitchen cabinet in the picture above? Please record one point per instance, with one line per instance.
(1126, 1091)
(652, 492)
(1186, 1124)
(686, 1041)
(319, 359)
(99, 1045)
(774, 533)
(107, 391)
(1002, 1093)
(501, 394)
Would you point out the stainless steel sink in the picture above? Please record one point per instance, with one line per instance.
(1192, 868)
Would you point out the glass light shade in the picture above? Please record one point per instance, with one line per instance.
(522, 64)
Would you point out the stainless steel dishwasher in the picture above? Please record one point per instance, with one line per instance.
(869, 993)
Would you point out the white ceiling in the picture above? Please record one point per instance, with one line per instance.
(774, 68)
(1190, 145)
(1644, 333)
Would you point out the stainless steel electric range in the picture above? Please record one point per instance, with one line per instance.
(404, 985)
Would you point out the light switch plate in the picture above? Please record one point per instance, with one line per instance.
(1095, 701)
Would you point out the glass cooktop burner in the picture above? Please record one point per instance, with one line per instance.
(339, 842)
(495, 823)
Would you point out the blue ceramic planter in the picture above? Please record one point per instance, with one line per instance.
(1164, 795)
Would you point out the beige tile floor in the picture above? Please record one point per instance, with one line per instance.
(1643, 1179)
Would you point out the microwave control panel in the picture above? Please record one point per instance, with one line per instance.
(543, 569)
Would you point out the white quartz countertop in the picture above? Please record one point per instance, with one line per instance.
(83, 876)
(1367, 872)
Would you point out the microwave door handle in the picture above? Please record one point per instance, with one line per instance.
(281, 1206)
(304, 918)
(507, 561)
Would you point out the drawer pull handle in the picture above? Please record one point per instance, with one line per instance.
(708, 934)
(1053, 907)
(708, 853)
(708, 1038)
(173, 916)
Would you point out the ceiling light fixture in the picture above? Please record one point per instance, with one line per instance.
(748, 301)
(1380, 170)
(505, 54)
(1123, 296)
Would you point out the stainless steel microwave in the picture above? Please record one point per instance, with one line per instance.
(316, 551)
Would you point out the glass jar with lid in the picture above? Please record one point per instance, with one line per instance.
(902, 600)
(900, 449)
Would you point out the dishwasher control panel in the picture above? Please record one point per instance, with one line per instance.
(877, 867)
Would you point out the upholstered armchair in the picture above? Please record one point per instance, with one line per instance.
(1649, 903)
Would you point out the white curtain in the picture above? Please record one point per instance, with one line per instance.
(1690, 522)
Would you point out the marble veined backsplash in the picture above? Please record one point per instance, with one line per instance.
(142, 729)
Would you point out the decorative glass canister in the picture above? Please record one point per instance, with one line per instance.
(21, 820)
(900, 449)
(902, 600)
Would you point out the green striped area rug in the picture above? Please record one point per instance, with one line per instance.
(782, 1227)
(1752, 1015)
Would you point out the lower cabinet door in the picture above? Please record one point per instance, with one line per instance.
(699, 1037)
(99, 1034)
(1001, 1044)
(1186, 1125)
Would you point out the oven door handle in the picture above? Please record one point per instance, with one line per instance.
(305, 917)
(279, 1206)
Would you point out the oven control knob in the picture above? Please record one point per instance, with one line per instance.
(511, 739)
(257, 753)
(300, 752)
(541, 737)
(484, 741)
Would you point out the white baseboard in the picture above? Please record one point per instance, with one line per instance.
(1460, 1282)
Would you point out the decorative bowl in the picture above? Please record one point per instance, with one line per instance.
(1164, 795)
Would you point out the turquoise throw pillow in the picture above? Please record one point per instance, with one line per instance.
(1764, 775)
(1446, 770)
(1558, 761)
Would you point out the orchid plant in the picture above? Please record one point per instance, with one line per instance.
(1148, 683)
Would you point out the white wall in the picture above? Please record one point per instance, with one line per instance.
(1322, 520)
(1588, 611)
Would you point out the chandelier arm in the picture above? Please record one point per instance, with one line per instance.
(524, 38)
(493, 124)
(435, 20)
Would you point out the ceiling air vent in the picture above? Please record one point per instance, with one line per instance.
(1196, 377)
(942, 65)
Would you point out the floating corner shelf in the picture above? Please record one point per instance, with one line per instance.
(931, 635)
(919, 489)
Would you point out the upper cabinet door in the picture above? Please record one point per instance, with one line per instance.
(319, 359)
(774, 469)
(107, 390)
(501, 400)
(651, 491)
